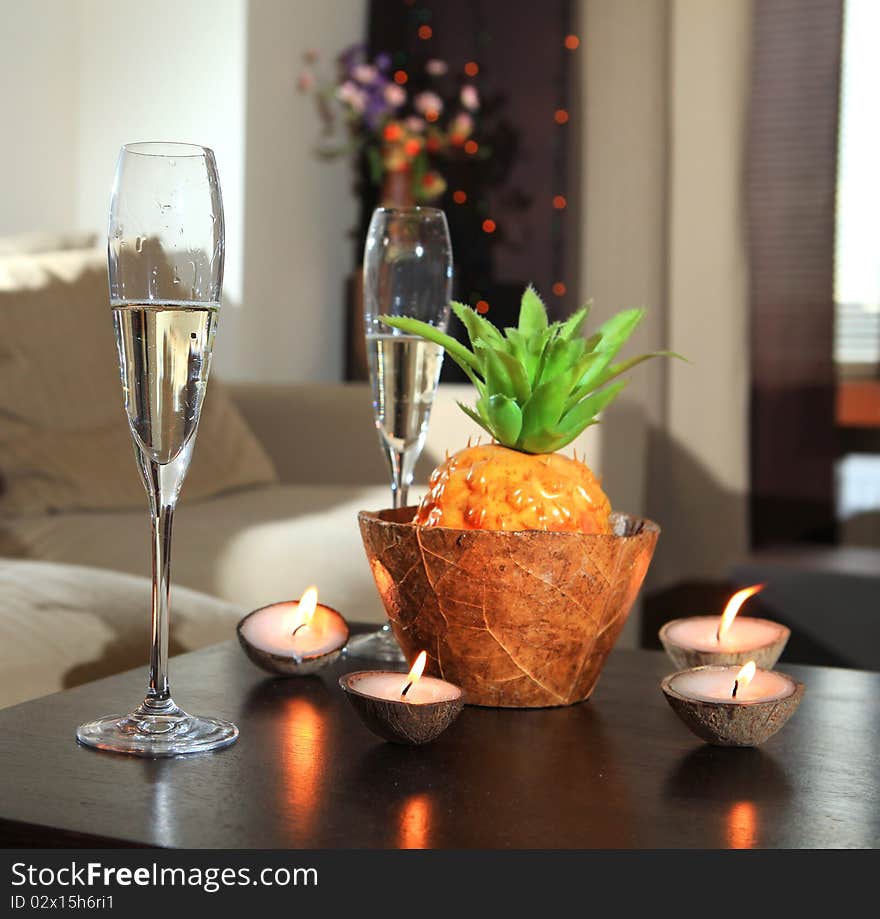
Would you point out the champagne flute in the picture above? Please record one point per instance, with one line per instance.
(165, 254)
(407, 272)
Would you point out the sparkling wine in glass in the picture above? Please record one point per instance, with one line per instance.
(407, 272)
(165, 254)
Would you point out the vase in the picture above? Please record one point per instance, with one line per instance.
(396, 189)
(517, 619)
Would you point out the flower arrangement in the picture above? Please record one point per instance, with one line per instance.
(404, 122)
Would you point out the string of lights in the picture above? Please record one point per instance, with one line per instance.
(420, 21)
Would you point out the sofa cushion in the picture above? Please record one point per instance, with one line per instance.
(61, 625)
(249, 548)
(64, 440)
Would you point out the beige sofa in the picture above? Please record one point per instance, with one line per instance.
(262, 544)
(257, 545)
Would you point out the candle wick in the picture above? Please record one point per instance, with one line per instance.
(302, 625)
(735, 688)
(406, 688)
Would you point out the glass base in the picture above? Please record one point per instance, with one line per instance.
(380, 646)
(146, 733)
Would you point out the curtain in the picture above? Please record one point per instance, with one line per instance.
(791, 180)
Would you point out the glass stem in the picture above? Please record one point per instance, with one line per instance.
(162, 507)
(399, 486)
(399, 492)
(402, 465)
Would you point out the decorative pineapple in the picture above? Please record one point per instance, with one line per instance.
(539, 386)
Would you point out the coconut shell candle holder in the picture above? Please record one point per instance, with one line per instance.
(293, 638)
(517, 619)
(380, 701)
(702, 698)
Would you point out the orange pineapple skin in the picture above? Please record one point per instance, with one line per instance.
(490, 487)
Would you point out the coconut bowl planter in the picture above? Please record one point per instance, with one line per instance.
(518, 620)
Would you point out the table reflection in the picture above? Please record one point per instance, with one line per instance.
(742, 825)
(414, 822)
(304, 753)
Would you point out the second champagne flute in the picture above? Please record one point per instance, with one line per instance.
(407, 272)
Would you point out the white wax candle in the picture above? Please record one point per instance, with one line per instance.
(271, 629)
(384, 685)
(715, 684)
(744, 634)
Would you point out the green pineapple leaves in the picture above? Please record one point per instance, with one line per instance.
(541, 384)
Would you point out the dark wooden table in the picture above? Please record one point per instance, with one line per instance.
(616, 772)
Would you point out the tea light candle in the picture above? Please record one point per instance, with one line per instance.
(733, 706)
(403, 708)
(700, 640)
(716, 684)
(293, 638)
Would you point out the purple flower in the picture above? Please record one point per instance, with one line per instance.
(351, 56)
(377, 106)
(383, 62)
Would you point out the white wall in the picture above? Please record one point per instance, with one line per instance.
(38, 85)
(163, 70)
(298, 210)
(78, 78)
(623, 129)
(665, 87)
(708, 294)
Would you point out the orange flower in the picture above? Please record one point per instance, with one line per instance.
(412, 146)
(432, 144)
(392, 132)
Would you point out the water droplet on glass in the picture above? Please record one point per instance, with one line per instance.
(172, 162)
(139, 244)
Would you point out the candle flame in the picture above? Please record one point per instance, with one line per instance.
(304, 611)
(415, 674)
(744, 677)
(734, 604)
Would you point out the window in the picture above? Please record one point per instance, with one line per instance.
(857, 261)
